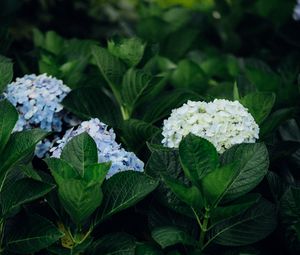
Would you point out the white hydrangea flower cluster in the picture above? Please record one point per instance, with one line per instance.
(38, 101)
(222, 122)
(108, 148)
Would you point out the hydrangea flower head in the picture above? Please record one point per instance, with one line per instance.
(296, 14)
(222, 122)
(38, 101)
(108, 148)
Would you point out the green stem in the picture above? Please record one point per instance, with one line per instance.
(204, 227)
(1, 235)
(125, 113)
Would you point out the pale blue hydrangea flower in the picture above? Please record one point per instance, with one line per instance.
(296, 14)
(108, 148)
(38, 101)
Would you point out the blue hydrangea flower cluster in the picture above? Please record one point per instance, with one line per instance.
(108, 148)
(296, 14)
(37, 99)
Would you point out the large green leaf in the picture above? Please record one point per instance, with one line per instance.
(190, 195)
(237, 207)
(251, 162)
(32, 234)
(249, 227)
(114, 244)
(136, 132)
(6, 72)
(189, 75)
(79, 199)
(259, 104)
(137, 84)
(124, 190)
(8, 119)
(19, 146)
(93, 103)
(290, 217)
(171, 235)
(163, 105)
(80, 152)
(25, 190)
(130, 50)
(111, 68)
(216, 183)
(198, 157)
(165, 162)
(275, 120)
(147, 249)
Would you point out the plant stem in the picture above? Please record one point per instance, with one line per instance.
(125, 113)
(1, 235)
(204, 227)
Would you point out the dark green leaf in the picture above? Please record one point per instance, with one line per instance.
(25, 190)
(169, 235)
(6, 72)
(251, 162)
(198, 157)
(33, 234)
(124, 190)
(249, 227)
(93, 103)
(259, 104)
(80, 152)
(8, 119)
(114, 244)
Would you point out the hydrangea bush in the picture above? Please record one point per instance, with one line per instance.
(108, 149)
(222, 122)
(199, 153)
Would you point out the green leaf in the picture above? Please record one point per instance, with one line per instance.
(124, 190)
(25, 190)
(169, 235)
(276, 119)
(137, 84)
(53, 42)
(61, 170)
(130, 50)
(111, 68)
(251, 162)
(19, 146)
(147, 249)
(79, 199)
(81, 152)
(290, 217)
(236, 94)
(136, 132)
(237, 207)
(216, 183)
(164, 104)
(198, 157)
(114, 244)
(8, 119)
(189, 75)
(96, 173)
(190, 195)
(6, 72)
(32, 234)
(259, 104)
(165, 162)
(249, 227)
(89, 103)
